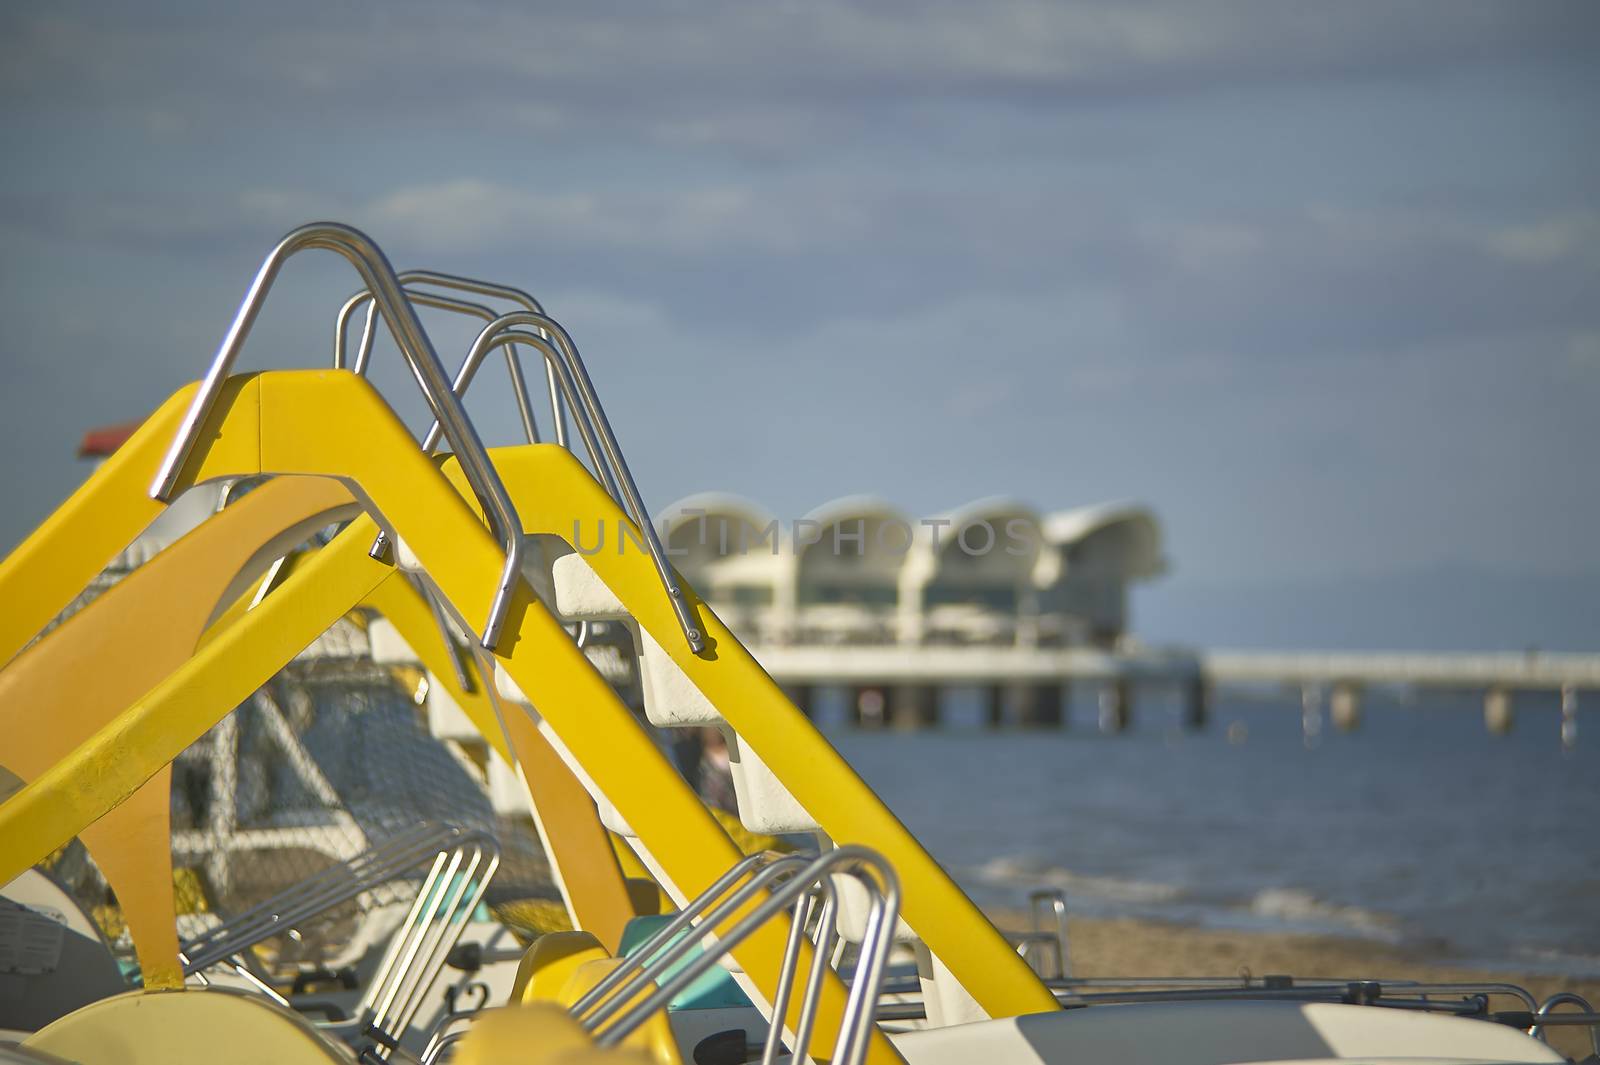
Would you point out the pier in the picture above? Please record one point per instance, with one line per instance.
(901, 685)
(1029, 608)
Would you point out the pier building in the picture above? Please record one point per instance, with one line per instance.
(859, 571)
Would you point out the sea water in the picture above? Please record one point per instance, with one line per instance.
(1420, 828)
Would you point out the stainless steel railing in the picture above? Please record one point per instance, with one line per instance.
(390, 300)
(609, 1011)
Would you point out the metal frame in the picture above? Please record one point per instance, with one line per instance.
(559, 379)
(339, 882)
(635, 961)
(1049, 902)
(461, 864)
(604, 1010)
(519, 384)
(824, 937)
(621, 486)
(322, 424)
(478, 287)
(373, 266)
(455, 884)
(1567, 998)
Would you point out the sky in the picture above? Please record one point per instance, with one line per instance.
(1319, 283)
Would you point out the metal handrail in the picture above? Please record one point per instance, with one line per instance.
(379, 276)
(495, 290)
(564, 384)
(685, 917)
(562, 381)
(568, 380)
(519, 388)
(1051, 901)
(561, 392)
(827, 931)
(623, 480)
(316, 894)
(648, 965)
(1304, 992)
(883, 890)
(460, 863)
(409, 279)
(1565, 998)
(455, 886)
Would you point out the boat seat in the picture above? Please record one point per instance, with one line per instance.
(537, 1034)
(654, 1035)
(549, 963)
(57, 959)
(1220, 1033)
(192, 1027)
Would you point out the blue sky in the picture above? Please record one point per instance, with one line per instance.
(1317, 282)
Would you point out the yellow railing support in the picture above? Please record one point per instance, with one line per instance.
(552, 491)
(63, 688)
(586, 870)
(43, 574)
(333, 424)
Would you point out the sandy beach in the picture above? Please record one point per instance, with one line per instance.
(1141, 948)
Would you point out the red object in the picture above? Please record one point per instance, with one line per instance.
(98, 443)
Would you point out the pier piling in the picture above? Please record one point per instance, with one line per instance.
(803, 696)
(1039, 706)
(1197, 703)
(1345, 706)
(914, 706)
(1116, 705)
(1499, 713)
(994, 705)
(1311, 714)
(1569, 717)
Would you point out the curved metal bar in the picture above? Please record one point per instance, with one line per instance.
(558, 369)
(1565, 998)
(559, 373)
(876, 943)
(812, 995)
(641, 954)
(877, 939)
(791, 962)
(379, 276)
(505, 292)
(623, 480)
(335, 884)
(519, 385)
(652, 969)
(435, 1051)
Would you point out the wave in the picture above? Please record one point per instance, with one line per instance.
(1287, 908)
(1552, 959)
(1023, 872)
(1295, 906)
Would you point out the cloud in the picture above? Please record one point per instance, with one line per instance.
(756, 76)
(1211, 253)
(731, 253)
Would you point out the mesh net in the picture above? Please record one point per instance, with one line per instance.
(332, 757)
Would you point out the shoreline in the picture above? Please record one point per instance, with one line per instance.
(1123, 947)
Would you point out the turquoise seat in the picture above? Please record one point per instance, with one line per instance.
(713, 990)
